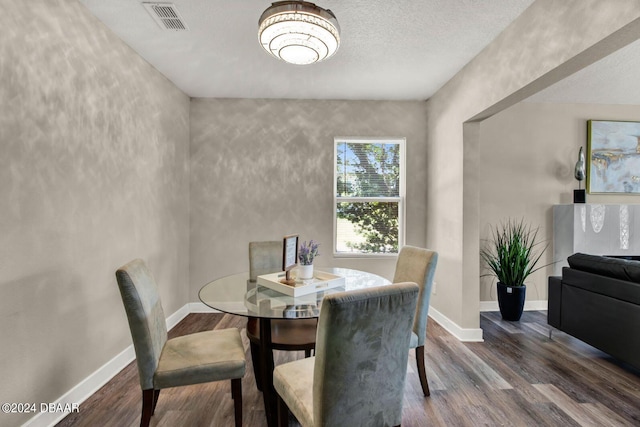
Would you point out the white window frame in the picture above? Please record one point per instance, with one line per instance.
(402, 142)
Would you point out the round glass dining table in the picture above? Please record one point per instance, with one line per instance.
(238, 295)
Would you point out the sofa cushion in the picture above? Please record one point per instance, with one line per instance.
(616, 268)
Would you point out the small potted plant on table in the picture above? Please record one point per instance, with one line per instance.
(306, 255)
(511, 255)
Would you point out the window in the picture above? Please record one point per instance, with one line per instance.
(369, 194)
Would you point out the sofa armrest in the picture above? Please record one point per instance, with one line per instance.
(554, 301)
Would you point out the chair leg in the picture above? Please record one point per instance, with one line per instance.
(147, 407)
(236, 394)
(283, 413)
(422, 373)
(307, 353)
(156, 394)
(255, 359)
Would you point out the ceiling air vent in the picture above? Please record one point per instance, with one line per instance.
(166, 15)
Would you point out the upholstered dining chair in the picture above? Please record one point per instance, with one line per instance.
(288, 335)
(418, 265)
(357, 375)
(190, 359)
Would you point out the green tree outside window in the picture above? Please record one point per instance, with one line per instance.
(368, 195)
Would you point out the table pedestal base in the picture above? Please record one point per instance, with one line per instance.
(266, 368)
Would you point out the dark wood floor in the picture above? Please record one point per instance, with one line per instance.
(516, 377)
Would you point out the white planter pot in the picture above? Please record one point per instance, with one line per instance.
(305, 272)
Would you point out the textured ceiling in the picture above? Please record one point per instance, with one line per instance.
(396, 50)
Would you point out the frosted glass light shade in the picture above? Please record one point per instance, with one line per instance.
(299, 32)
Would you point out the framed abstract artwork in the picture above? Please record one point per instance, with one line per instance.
(613, 157)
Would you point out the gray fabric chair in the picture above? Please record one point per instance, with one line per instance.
(358, 374)
(190, 359)
(287, 335)
(418, 265)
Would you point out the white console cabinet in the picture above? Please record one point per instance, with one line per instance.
(596, 229)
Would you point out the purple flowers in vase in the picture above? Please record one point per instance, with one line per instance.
(307, 252)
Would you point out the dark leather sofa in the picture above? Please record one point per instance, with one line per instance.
(597, 300)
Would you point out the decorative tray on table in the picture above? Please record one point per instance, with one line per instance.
(321, 282)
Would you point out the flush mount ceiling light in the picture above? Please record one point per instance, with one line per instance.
(299, 32)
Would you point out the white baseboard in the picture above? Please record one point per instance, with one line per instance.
(84, 389)
(93, 382)
(528, 305)
(199, 307)
(462, 334)
(176, 317)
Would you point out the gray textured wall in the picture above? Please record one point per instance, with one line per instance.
(536, 146)
(93, 173)
(261, 169)
(95, 165)
(548, 42)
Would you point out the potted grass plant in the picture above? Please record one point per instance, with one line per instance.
(511, 254)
